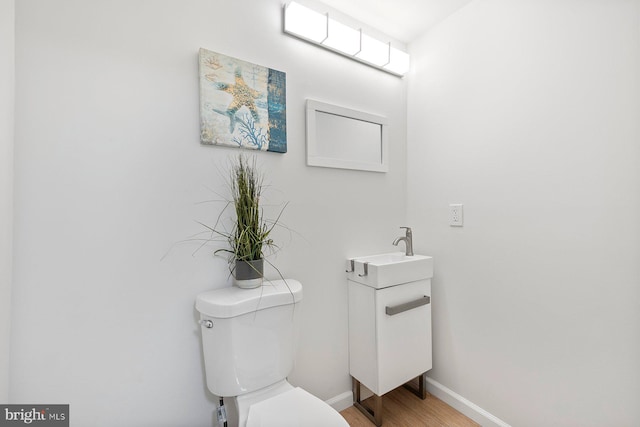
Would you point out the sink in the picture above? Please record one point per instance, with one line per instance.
(390, 269)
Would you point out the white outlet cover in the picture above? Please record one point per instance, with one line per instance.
(456, 218)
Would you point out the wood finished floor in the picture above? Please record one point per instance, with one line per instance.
(401, 408)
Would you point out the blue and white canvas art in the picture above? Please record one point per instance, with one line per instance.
(242, 104)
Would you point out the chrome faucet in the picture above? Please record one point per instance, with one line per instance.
(408, 240)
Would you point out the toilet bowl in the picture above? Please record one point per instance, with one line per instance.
(290, 406)
(248, 346)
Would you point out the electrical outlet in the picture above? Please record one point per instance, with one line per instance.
(455, 215)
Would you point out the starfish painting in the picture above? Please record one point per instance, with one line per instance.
(241, 104)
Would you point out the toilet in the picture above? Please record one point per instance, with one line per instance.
(248, 346)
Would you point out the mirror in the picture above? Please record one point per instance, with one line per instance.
(339, 137)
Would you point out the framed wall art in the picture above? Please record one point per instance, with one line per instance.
(241, 104)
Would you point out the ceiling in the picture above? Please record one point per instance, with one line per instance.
(404, 20)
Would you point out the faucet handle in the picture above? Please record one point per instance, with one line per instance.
(407, 230)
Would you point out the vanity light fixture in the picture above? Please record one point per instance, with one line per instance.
(324, 30)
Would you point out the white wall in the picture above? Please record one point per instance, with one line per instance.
(527, 113)
(6, 185)
(108, 175)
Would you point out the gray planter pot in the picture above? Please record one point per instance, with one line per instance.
(249, 274)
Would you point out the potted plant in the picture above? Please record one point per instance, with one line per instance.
(249, 235)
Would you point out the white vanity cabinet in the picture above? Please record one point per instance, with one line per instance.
(389, 325)
(389, 319)
(388, 350)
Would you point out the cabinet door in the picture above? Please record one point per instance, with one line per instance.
(403, 339)
(363, 359)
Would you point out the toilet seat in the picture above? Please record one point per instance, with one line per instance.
(294, 408)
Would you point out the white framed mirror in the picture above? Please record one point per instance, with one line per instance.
(339, 137)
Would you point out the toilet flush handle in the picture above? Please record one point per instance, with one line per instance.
(206, 323)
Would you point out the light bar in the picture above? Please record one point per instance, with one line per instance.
(325, 31)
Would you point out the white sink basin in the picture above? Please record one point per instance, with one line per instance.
(389, 269)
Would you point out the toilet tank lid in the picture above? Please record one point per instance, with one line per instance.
(233, 301)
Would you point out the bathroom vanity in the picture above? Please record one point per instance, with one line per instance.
(389, 324)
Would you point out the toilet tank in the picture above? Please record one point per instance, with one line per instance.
(249, 343)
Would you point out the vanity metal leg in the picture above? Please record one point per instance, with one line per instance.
(421, 391)
(373, 414)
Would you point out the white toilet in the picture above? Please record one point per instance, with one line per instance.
(248, 344)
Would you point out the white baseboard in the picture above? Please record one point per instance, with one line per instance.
(468, 408)
(341, 401)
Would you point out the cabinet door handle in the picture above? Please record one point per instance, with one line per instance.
(396, 309)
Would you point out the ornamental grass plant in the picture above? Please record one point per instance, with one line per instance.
(249, 236)
(251, 232)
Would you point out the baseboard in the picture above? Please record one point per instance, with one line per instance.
(341, 401)
(468, 408)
